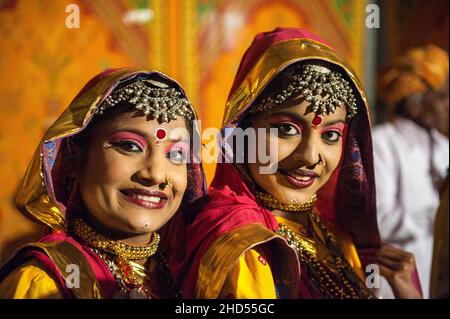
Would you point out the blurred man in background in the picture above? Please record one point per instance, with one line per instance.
(411, 153)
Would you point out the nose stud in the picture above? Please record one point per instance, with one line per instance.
(321, 161)
(168, 182)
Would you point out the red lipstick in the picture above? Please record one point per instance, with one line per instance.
(300, 178)
(145, 198)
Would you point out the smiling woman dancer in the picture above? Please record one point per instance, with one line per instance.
(308, 229)
(110, 172)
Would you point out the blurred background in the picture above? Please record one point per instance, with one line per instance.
(43, 63)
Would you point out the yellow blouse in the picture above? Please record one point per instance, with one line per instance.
(30, 281)
(252, 276)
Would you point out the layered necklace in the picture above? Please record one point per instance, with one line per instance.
(335, 278)
(130, 276)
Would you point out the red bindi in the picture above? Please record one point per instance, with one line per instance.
(316, 120)
(160, 134)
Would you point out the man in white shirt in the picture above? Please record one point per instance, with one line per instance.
(411, 154)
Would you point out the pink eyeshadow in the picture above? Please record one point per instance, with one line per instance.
(127, 136)
(285, 119)
(184, 146)
(335, 127)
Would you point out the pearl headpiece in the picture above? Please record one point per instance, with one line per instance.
(315, 82)
(153, 98)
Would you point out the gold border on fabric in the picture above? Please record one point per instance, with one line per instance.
(63, 254)
(274, 60)
(223, 254)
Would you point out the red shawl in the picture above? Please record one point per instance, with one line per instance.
(347, 200)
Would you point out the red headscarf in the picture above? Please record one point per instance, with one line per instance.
(347, 200)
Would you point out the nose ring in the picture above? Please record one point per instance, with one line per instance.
(321, 161)
(168, 182)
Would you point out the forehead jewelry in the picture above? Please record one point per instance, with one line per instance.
(153, 98)
(160, 135)
(326, 90)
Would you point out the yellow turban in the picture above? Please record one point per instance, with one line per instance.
(417, 71)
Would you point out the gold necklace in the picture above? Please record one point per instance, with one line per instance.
(133, 278)
(321, 274)
(271, 202)
(124, 251)
(129, 280)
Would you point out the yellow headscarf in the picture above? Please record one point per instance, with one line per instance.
(36, 197)
(417, 71)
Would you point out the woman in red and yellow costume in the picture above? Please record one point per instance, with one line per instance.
(308, 228)
(113, 177)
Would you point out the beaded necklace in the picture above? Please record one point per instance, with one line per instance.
(134, 282)
(336, 279)
(131, 277)
(102, 243)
